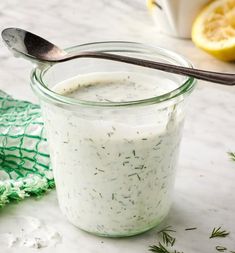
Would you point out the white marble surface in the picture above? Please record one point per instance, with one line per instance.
(205, 185)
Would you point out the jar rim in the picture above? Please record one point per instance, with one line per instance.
(40, 87)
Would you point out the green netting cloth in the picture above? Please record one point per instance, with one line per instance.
(24, 158)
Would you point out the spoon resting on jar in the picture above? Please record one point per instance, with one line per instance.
(36, 48)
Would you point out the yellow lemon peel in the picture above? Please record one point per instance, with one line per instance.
(214, 29)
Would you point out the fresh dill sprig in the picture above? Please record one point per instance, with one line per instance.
(220, 248)
(232, 156)
(217, 232)
(168, 240)
(158, 249)
(161, 249)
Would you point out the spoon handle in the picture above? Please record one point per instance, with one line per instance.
(216, 77)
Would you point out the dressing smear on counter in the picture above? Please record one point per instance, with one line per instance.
(114, 167)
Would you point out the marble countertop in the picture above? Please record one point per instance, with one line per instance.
(205, 183)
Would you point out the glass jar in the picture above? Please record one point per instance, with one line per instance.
(114, 162)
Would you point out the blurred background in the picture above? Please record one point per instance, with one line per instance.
(71, 22)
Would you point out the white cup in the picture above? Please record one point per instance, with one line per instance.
(175, 17)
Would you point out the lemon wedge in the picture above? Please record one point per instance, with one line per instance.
(214, 29)
(150, 4)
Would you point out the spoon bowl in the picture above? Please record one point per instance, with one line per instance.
(30, 45)
(36, 48)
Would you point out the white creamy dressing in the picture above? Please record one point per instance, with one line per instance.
(114, 167)
(114, 87)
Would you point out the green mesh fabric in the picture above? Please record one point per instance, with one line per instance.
(24, 158)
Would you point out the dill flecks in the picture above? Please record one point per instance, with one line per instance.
(160, 249)
(166, 237)
(188, 229)
(220, 248)
(135, 174)
(217, 232)
(232, 156)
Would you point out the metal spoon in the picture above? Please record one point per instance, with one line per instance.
(31, 46)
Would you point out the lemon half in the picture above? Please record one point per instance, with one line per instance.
(214, 29)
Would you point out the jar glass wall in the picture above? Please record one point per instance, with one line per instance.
(114, 162)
